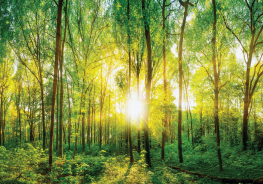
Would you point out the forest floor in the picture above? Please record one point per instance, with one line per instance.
(26, 164)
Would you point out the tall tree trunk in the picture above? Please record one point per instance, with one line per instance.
(1, 116)
(164, 133)
(88, 129)
(201, 118)
(91, 121)
(115, 140)
(138, 98)
(42, 109)
(83, 127)
(180, 150)
(61, 126)
(69, 119)
(94, 116)
(248, 96)
(57, 55)
(57, 114)
(100, 131)
(76, 138)
(148, 83)
(109, 121)
(187, 125)
(216, 90)
(129, 110)
(3, 129)
(19, 115)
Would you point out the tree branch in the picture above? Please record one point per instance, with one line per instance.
(227, 26)
(247, 4)
(260, 31)
(206, 71)
(55, 2)
(255, 68)
(2, 2)
(182, 3)
(169, 3)
(23, 63)
(242, 83)
(259, 16)
(223, 85)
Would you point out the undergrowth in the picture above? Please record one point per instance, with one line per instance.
(29, 164)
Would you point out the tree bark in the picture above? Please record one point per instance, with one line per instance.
(57, 54)
(94, 117)
(185, 5)
(19, 114)
(109, 121)
(57, 114)
(129, 110)
(216, 90)
(101, 106)
(138, 97)
(1, 116)
(88, 129)
(148, 83)
(3, 129)
(61, 126)
(164, 133)
(69, 119)
(247, 98)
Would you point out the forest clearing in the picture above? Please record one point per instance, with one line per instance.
(131, 91)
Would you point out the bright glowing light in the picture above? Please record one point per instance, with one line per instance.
(135, 107)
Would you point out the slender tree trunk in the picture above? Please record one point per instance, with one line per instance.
(61, 126)
(191, 118)
(148, 84)
(91, 121)
(187, 125)
(43, 110)
(69, 119)
(115, 119)
(105, 125)
(138, 98)
(3, 129)
(57, 114)
(201, 117)
(94, 117)
(1, 116)
(228, 117)
(109, 121)
(100, 138)
(180, 150)
(216, 90)
(129, 110)
(76, 138)
(164, 133)
(83, 127)
(88, 129)
(19, 119)
(57, 54)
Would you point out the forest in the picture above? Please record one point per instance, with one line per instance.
(131, 91)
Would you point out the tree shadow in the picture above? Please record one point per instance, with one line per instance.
(126, 174)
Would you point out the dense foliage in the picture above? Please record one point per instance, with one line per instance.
(120, 91)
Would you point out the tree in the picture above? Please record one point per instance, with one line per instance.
(57, 55)
(185, 5)
(250, 47)
(216, 76)
(148, 81)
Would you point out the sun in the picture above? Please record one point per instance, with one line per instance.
(135, 107)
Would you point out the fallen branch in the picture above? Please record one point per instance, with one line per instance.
(225, 180)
